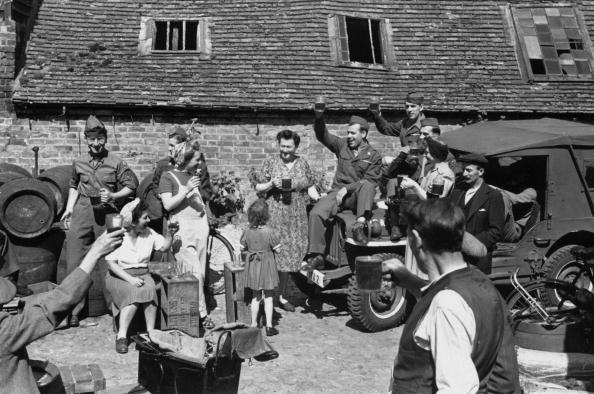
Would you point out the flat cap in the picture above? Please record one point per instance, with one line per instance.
(429, 122)
(360, 121)
(473, 158)
(415, 98)
(7, 291)
(179, 132)
(94, 126)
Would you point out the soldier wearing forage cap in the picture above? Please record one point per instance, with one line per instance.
(40, 315)
(357, 173)
(99, 180)
(409, 128)
(482, 205)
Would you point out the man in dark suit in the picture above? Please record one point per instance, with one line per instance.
(482, 205)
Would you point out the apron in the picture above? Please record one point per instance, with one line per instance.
(193, 233)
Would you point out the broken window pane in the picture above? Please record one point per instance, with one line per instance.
(537, 66)
(191, 36)
(364, 40)
(160, 41)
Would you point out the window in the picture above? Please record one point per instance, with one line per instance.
(174, 36)
(360, 41)
(553, 42)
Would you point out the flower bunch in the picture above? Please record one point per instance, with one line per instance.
(227, 199)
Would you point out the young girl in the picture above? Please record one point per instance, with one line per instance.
(261, 245)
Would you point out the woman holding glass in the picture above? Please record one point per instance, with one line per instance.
(128, 280)
(287, 181)
(180, 193)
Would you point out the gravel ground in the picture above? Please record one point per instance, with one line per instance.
(322, 352)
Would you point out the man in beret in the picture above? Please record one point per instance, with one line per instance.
(357, 173)
(482, 205)
(409, 128)
(41, 315)
(99, 180)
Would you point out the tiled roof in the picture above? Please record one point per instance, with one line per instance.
(275, 55)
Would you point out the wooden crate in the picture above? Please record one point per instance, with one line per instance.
(178, 304)
(82, 378)
(236, 302)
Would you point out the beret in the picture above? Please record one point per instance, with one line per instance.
(7, 291)
(94, 126)
(415, 98)
(429, 122)
(360, 121)
(473, 158)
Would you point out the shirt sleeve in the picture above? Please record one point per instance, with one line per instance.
(330, 141)
(243, 241)
(158, 239)
(274, 240)
(125, 176)
(448, 328)
(42, 313)
(165, 184)
(74, 178)
(387, 128)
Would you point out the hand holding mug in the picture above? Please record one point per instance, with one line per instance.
(277, 182)
(105, 195)
(407, 183)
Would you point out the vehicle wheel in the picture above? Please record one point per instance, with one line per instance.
(378, 310)
(562, 265)
(569, 336)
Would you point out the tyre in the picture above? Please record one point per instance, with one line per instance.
(378, 310)
(219, 251)
(569, 336)
(562, 265)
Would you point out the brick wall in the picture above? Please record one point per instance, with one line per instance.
(231, 141)
(7, 59)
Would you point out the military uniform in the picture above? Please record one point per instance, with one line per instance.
(405, 129)
(357, 171)
(89, 175)
(39, 318)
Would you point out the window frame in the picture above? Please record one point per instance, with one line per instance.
(338, 53)
(183, 21)
(148, 31)
(522, 50)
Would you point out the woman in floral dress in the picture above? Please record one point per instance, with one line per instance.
(288, 202)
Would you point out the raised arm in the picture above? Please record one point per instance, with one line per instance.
(330, 141)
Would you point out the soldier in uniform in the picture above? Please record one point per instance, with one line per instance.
(93, 194)
(409, 128)
(357, 174)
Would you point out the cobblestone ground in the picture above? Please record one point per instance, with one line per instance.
(317, 355)
(325, 352)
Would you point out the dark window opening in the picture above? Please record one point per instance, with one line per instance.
(364, 40)
(552, 42)
(590, 175)
(176, 35)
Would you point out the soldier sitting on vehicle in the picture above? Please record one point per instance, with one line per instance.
(357, 173)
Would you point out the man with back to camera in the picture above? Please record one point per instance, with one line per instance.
(357, 173)
(482, 205)
(457, 338)
(96, 176)
(41, 315)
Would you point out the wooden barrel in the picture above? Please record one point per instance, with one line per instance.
(58, 180)
(27, 207)
(9, 172)
(36, 264)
